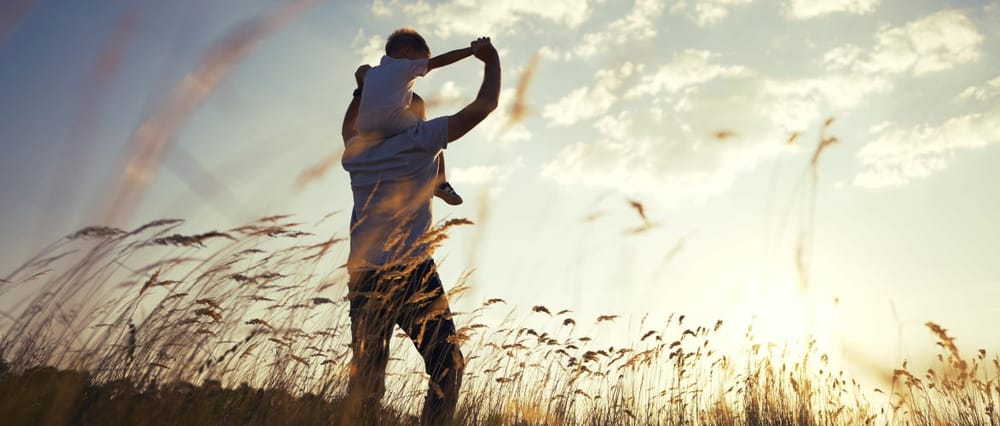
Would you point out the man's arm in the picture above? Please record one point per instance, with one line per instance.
(448, 58)
(348, 129)
(486, 100)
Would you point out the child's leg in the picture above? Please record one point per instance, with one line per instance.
(417, 107)
(441, 176)
(444, 190)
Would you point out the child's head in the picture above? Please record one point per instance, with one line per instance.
(407, 43)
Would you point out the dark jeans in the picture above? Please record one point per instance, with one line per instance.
(415, 300)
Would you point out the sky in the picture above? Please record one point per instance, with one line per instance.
(707, 113)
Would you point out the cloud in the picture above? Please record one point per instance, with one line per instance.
(369, 49)
(637, 25)
(704, 12)
(463, 17)
(675, 156)
(478, 175)
(842, 57)
(690, 67)
(501, 126)
(668, 147)
(379, 8)
(844, 91)
(805, 9)
(934, 43)
(592, 100)
(984, 92)
(901, 155)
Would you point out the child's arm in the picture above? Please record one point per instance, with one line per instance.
(448, 58)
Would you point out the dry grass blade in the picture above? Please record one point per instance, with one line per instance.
(793, 138)
(640, 209)
(210, 302)
(36, 275)
(317, 171)
(208, 312)
(258, 321)
(188, 240)
(724, 135)
(97, 232)
(157, 132)
(519, 109)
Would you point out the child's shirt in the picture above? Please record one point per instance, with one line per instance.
(387, 93)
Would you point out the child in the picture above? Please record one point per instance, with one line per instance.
(388, 92)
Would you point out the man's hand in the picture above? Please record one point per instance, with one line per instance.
(482, 48)
(478, 43)
(359, 75)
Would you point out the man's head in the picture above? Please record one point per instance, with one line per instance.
(407, 43)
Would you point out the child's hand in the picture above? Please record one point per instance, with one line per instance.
(359, 75)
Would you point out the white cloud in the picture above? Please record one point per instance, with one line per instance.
(704, 12)
(984, 92)
(937, 42)
(846, 91)
(804, 9)
(592, 100)
(690, 67)
(368, 49)
(494, 177)
(448, 97)
(477, 175)
(695, 67)
(379, 8)
(464, 17)
(899, 155)
(669, 150)
(675, 156)
(550, 53)
(842, 57)
(637, 25)
(497, 126)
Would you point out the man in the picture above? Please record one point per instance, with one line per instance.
(393, 279)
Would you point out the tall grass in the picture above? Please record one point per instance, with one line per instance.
(250, 325)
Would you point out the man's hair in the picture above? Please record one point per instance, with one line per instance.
(404, 37)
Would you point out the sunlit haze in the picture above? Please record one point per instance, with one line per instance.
(647, 157)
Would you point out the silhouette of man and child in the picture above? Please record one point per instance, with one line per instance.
(394, 156)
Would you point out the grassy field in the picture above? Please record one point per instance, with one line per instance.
(249, 326)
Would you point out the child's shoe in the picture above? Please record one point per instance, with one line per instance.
(445, 192)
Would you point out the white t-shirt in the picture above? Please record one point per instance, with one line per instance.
(393, 182)
(388, 91)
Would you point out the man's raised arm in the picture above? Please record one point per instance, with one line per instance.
(489, 92)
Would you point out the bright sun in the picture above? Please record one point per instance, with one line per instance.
(785, 314)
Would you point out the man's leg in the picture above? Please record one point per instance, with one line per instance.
(430, 327)
(371, 329)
